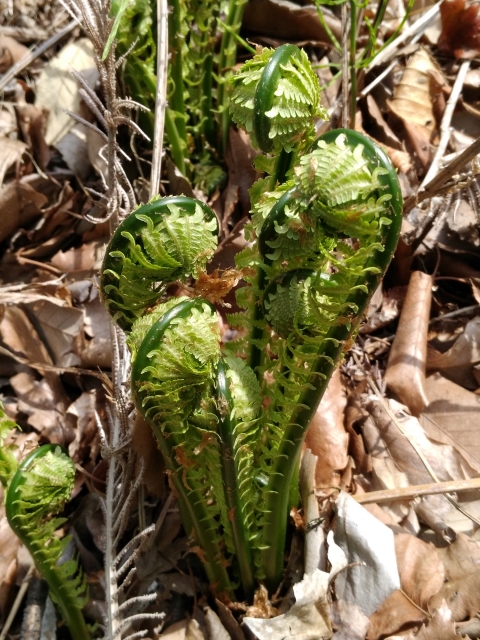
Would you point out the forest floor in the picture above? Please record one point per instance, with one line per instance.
(397, 442)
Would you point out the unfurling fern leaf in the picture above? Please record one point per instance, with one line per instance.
(275, 97)
(36, 490)
(166, 240)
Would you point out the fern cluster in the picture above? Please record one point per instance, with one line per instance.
(230, 418)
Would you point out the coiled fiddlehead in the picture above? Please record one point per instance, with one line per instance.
(36, 490)
(168, 239)
(275, 97)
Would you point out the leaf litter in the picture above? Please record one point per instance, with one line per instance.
(404, 565)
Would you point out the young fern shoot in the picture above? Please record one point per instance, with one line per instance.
(35, 491)
(230, 419)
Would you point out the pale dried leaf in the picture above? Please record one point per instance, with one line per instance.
(349, 620)
(452, 417)
(11, 52)
(405, 374)
(308, 618)
(215, 627)
(367, 541)
(413, 98)
(57, 89)
(461, 558)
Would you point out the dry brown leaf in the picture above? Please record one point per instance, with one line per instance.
(413, 98)
(20, 204)
(32, 123)
(420, 567)
(462, 597)
(457, 363)
(461, 558)
(405, 374)
(148, 456)
(61, 328)
(446, 462)
(11, 150)
(440, 627)
(460, 34)
(45, 401)
(355, 416)
(85, 258)
(326, 436)
(285, 20)
(86, 445)
(452, 417)
(241, 174)
(387, 309)
(421, 577)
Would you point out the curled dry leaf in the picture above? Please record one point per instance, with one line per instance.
(461, 558)
(326, 436)
(460, 34)
(405, 374)
(413, 102)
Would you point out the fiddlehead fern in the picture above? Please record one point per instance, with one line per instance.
(36, 490)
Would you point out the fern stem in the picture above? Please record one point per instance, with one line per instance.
(176, 112)
(195, 514)
(230, 478)
(352, 64)
(226, 60)
(189, 490)
(66, 599)
(176, 143)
